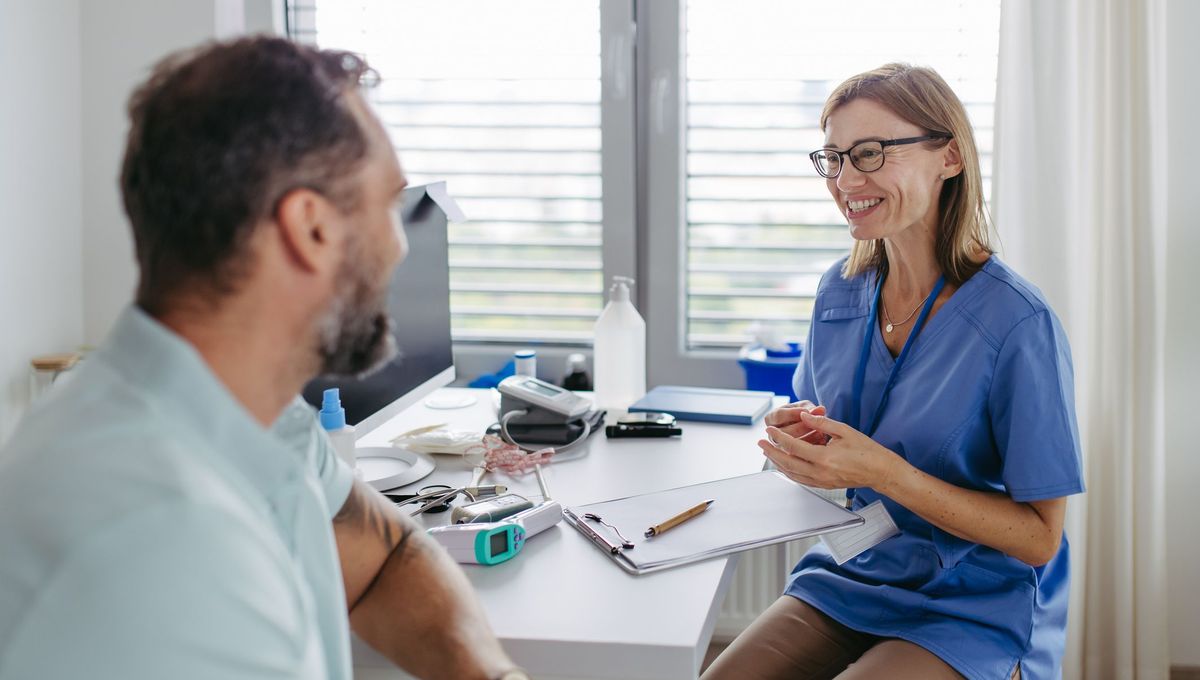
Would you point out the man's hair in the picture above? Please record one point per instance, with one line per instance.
(218, 135)
(920, 96)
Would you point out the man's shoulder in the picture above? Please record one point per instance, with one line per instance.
(93, 408)
(101, 443)
(82, 467)
(175, 572)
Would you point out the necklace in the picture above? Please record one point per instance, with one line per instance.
(891, 325)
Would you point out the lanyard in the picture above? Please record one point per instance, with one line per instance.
(861, 374)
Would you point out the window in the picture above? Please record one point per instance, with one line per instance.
(688, 172)
(509, 114)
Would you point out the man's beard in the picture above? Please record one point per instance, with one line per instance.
(355, 335)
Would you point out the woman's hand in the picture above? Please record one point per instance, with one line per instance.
(787, 419)
(849, 459)
(1029, 531)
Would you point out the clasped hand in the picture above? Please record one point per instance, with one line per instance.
(810, 448)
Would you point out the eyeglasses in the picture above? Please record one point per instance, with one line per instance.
(866, 156)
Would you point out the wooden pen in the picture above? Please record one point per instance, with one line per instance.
(679, 519)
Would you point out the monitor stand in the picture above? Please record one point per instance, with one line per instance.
(449, 401)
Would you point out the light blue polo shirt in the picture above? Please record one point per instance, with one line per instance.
(984, 401)
(150, 528)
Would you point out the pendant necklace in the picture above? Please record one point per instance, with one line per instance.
(891, 325)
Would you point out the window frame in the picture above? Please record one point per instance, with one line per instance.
(662, 158)
(618, 179)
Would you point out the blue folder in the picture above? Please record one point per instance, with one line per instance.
(740, 407)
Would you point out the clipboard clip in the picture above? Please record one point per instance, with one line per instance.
(613, 548)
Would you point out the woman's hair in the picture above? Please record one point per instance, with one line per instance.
(921, 97)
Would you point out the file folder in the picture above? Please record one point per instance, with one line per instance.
(739, 407)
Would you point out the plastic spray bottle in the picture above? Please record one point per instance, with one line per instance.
(620, 347)
(333, 419)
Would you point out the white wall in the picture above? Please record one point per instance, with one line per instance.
(121, 41)
(66, 255)
(1183, 332)
(41, 288)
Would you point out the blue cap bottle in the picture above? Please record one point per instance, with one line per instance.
(333, 416)
(333, 420)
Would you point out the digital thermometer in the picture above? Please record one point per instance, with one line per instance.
(485, 544)
(495, 542)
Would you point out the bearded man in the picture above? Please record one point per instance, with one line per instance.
(174, 511)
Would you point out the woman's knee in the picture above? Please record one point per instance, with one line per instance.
(899, 660)
(791, 639)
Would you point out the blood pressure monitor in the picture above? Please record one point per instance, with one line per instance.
(545, 395)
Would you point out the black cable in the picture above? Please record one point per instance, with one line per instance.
(587, 429)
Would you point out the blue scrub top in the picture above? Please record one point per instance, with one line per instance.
(985, 400)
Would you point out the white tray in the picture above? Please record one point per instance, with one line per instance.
(387, 467)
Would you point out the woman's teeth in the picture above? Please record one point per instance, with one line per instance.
(858, 206)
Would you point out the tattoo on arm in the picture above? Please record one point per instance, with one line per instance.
(374, 519)
(371, 518)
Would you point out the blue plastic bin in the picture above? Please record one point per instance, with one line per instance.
(770, 370)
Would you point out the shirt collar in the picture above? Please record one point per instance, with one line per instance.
(175, 379)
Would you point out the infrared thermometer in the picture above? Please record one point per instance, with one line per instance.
(485, 544)
(489, 543)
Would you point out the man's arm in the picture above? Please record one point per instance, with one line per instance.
(407, 599)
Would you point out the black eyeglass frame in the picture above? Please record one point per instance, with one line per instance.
(883, 144)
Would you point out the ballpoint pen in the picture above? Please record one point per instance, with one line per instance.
(679, 519)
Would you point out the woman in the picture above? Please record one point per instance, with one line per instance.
(937, 385)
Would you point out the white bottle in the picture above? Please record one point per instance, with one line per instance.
(525, 362)
(620, 351)
(333, 419)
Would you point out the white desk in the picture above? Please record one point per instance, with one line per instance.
(561, 608)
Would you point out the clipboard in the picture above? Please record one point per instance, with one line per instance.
(748, 512)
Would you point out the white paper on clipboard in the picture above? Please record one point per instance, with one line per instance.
(748, 512)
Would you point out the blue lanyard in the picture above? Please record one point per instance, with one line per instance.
(861, 374)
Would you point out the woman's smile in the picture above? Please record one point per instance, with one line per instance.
(858, 208)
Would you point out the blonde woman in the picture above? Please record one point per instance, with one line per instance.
(937, 387)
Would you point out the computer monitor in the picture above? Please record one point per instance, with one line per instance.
(419, 304)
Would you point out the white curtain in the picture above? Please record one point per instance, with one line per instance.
(1079, 202)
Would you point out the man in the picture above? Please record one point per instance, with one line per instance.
(168, 512)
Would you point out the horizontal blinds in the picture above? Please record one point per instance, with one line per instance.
(761, 226)
(481, 95)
